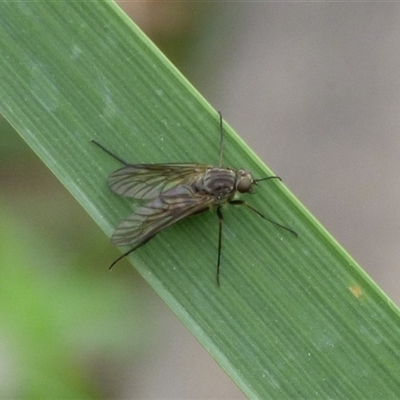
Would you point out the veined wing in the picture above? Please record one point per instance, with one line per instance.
(149, 181)
(154, 216)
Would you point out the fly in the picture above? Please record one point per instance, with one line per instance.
(175, 191)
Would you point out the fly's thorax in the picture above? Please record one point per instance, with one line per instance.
(219, 182)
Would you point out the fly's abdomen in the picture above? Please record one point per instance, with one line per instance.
(219, 182)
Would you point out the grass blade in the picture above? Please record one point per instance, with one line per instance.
(293, 318)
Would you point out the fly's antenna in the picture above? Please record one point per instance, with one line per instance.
(221, 144)
(255, 181)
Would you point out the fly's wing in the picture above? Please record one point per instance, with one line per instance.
(154, 216)
(149, 181)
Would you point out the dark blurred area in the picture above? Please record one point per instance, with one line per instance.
(313, 87)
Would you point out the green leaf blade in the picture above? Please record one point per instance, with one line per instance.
(294, 317)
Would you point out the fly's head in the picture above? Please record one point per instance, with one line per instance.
(244, 181)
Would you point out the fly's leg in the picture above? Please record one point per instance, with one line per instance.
(243, 203)
(109, 152)
(220, 221)
(221, 144)
(129, 252)
(120, 258)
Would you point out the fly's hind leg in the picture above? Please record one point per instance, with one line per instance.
(109, 152)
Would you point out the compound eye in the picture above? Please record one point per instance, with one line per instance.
(244, 181)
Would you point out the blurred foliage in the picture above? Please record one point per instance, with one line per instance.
(68, 325)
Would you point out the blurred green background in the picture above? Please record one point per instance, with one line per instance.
(312, 87)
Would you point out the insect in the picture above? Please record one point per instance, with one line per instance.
(175, 191)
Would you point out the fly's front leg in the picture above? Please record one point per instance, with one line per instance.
(243, 203)
(220, 221)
